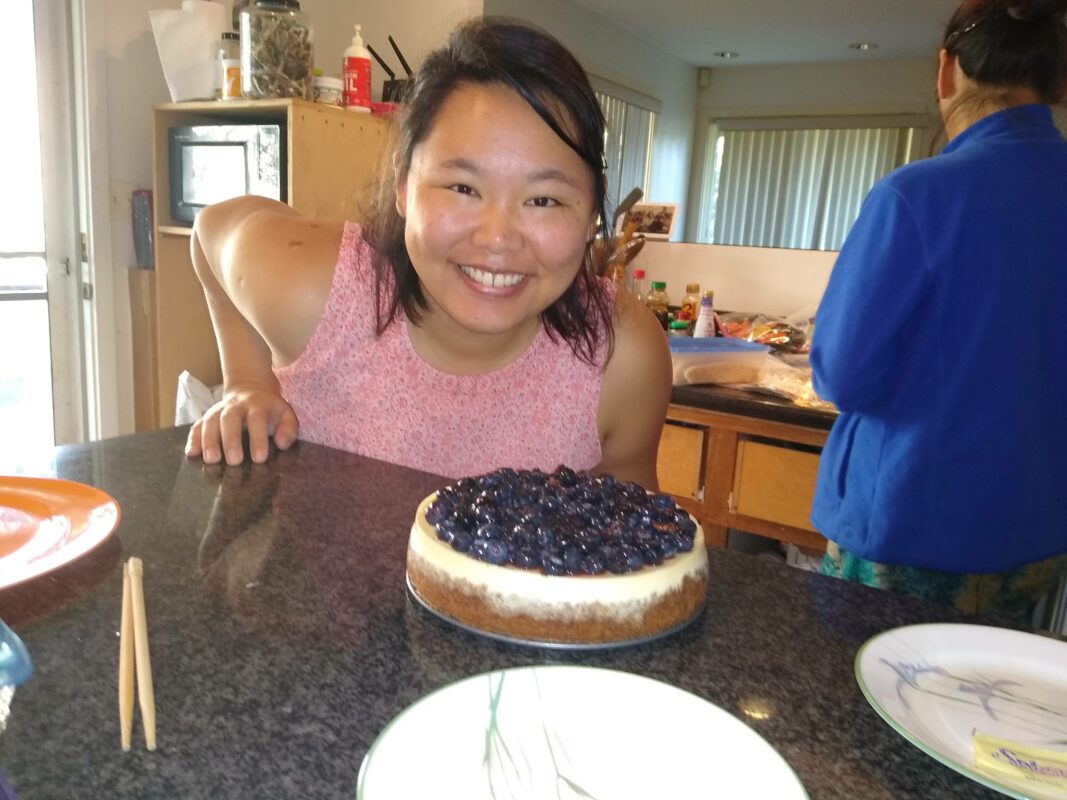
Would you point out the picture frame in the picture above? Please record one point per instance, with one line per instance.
(654, 220)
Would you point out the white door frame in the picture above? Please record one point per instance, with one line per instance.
(54, 71)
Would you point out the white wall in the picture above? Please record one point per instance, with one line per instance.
(770, 280)
(615, 54)
(417, 26)
(831, 89)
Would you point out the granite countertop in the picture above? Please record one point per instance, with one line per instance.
(283, 640)
(751, 404)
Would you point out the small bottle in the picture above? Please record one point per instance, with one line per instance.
(658, 301)
(228, 75)
(678, 328)
(705, 324)
(276, 50)
(355, 66)
(637, 285)
(691, 301)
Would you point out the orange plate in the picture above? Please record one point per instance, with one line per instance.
(46, 523)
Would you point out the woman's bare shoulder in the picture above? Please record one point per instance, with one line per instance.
(276, 266)
(634, 394)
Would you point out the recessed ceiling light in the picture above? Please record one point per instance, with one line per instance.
(726, 54)
(863, 46)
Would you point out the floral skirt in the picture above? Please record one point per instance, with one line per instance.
(1013, 595)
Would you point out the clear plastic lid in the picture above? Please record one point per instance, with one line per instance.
(717, 344)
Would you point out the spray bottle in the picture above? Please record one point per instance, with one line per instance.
(355, 67)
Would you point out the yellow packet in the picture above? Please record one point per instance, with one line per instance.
(1041, 773)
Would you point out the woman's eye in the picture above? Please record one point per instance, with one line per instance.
(462, 188)
(544, 202)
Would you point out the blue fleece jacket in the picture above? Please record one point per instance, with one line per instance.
(942, 339)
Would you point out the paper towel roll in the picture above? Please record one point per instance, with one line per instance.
(186, 41)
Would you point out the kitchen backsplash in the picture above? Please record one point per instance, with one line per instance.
(767, 279)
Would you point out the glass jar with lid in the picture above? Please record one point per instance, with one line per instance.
(276, 50)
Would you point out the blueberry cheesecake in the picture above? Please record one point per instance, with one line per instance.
(560, 557)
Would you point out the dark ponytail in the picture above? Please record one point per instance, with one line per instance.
(1010, 43)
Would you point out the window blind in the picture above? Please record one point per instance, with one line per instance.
(777, 186)
(627, 146)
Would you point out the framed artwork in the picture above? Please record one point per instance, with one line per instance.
(654, 220)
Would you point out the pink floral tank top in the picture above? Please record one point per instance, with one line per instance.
(374, 395)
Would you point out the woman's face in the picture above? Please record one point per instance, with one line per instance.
(498, 211)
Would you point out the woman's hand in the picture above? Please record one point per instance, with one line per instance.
(259, 409)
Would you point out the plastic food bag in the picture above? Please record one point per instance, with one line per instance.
(777, 332)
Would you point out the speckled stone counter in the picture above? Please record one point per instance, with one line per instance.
(283, 640)
(751, 404)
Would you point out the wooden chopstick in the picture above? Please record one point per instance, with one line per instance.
(133, 654)
(126, 662)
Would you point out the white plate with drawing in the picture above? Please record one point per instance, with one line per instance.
(939, 685)
(570, 732)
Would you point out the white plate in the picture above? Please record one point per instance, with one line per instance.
(937, 684)
(570, 732)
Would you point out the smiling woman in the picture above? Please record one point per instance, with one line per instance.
(464, 328)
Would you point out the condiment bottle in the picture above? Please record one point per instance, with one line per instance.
(355, 66)
(691, 301)
(228, 74)
(658, 301)
(276, 50)
(637, 284)
(705, 324)
(678, 328)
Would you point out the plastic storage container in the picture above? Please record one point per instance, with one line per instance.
(328, 90)
(688, 352)
(276, 50)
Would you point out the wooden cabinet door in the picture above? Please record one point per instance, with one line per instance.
(680, 462)
(775, 483)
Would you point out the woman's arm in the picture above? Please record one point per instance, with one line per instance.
(266, 274)
(634, 395)
(876, 285)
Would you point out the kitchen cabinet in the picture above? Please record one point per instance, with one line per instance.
(743, 463)
(334, 162)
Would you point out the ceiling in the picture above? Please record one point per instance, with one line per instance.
(781, 31)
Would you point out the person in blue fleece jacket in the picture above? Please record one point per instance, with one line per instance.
(942, 338)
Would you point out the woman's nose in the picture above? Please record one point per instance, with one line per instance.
(497, 229)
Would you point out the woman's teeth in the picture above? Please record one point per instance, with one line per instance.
(492, 278)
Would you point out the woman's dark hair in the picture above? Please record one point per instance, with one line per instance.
(533, 64)
(1007, 43)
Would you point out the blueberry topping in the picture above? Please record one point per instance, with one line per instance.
(552, 564)
(488, 531)
(562, 523)
(527, 558)
(438, 511)
(462, 541)
(497, 552)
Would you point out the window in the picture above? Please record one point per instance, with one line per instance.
(631, 125)
(794, 182)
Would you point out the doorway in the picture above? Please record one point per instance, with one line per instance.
(40, 384)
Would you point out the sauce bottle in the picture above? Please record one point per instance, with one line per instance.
(691, 301)
(658, 301)
(705, 324)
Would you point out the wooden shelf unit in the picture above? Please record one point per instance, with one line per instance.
(335, 160)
